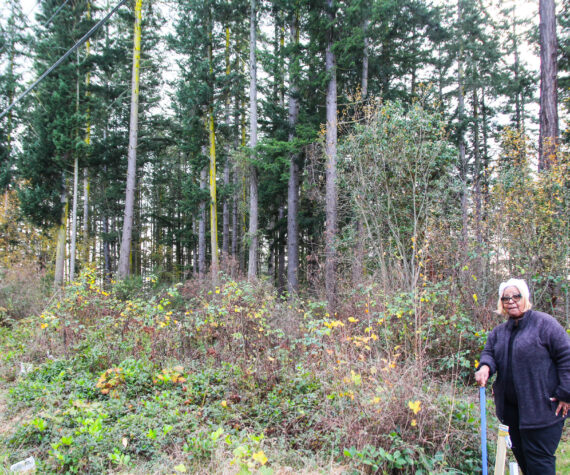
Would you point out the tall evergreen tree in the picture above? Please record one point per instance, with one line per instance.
(13, 40)
(52, 138)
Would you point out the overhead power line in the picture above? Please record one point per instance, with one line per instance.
(55, 13)
(63, 58)
(46, 24)
(33, 8)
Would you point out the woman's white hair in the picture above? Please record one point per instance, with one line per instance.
(519, 284)
(523, 289)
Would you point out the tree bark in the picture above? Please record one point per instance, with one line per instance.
(357, 264)
(202, 229)
(331, 172)
(549, 132)
(73, 245)
(293, 186)
(86, 240)
(235, 182)
(477, 171)
(75, 190)
(59, 274)
(365, 54)
(253, 180)
(226, 202)
(215, 267)
(280, 253)
(125, 252)
(461, 144)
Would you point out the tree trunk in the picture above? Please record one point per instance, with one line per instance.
(518, 94)
(293, 187)
(75, 190)
(202, 229)
(357, 264)
(73, 244)
(272, 258)
(86, 241)
(477, 171)
(213, 202)
(59, 274)
(85, 230)
(280, 250)
(461, 118)
(365, 53)
(331, 172)
(106, 251)
(125, 252)
(215, 267)
(226, 203)
(253, 181)
(235, 218)
(548, 137)
(235, 180)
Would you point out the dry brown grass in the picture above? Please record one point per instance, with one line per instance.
(22, 292)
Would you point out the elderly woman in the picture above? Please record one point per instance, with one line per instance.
(530, 353)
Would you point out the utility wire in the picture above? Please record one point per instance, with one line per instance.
(33, 8)
(64, 57)
(55, 13)
(46, 24)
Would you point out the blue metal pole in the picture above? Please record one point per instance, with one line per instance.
(483, 429)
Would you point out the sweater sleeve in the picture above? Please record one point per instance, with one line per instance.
(488, 354)
(559, 346)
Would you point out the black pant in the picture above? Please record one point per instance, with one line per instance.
(533, 448)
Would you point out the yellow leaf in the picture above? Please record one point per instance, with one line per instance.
(224, 404)
(414, 406)
(181, 468)
(356, 378)
(260, 457)
(352, 319)
(475, 297)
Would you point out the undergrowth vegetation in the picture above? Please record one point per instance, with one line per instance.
(140, 379)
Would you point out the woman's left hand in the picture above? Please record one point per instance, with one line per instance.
(563, 407)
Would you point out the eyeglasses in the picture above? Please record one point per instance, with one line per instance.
(515, 298)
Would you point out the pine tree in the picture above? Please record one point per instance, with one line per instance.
(13, 40)
(52, 138)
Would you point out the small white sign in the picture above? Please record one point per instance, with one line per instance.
(25, 466)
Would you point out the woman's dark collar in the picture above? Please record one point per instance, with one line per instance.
(516, 321)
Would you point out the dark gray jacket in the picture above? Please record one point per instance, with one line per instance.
(541, 367)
